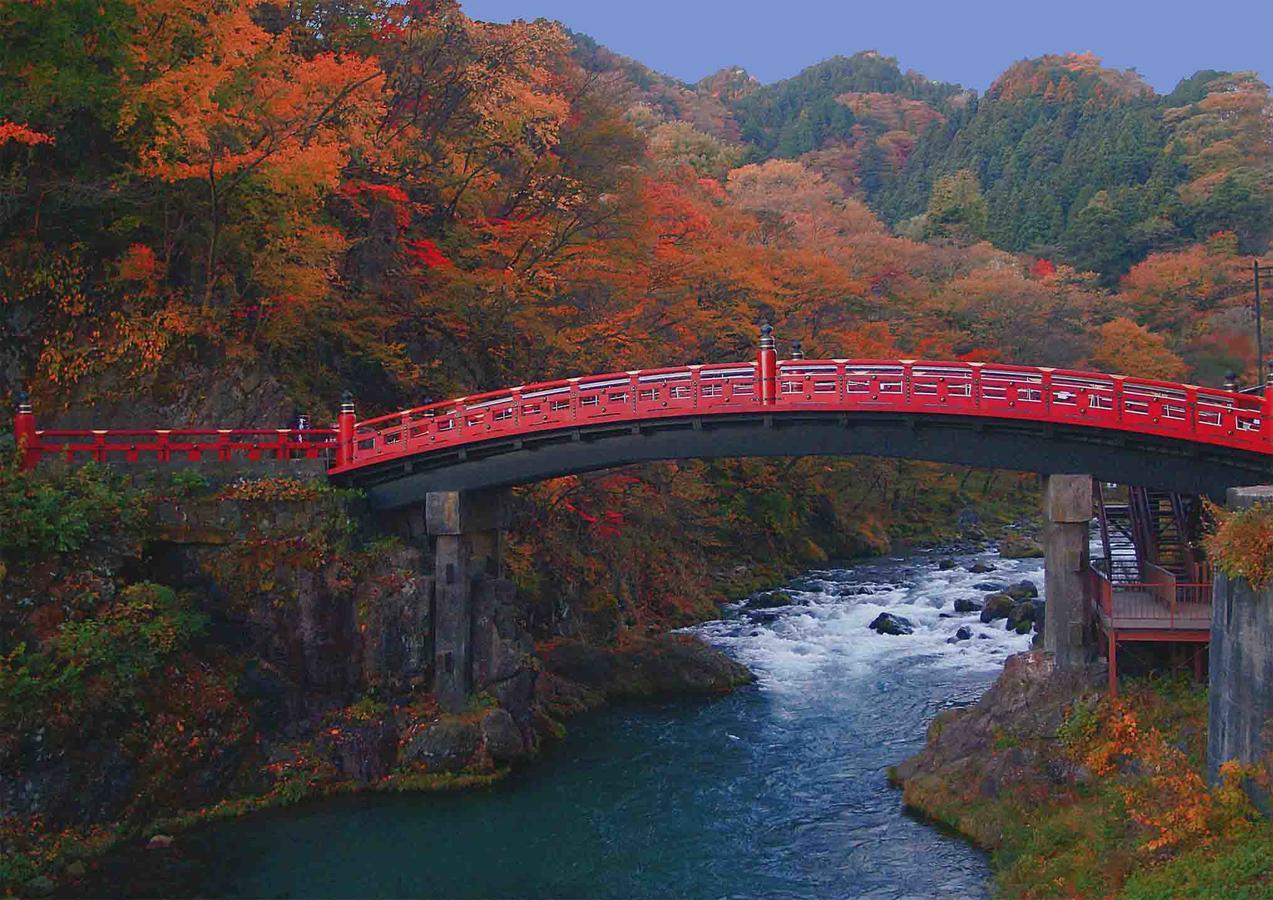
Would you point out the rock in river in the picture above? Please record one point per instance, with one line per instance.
(998, 606)
(967, 605)
(769, 600)
(887, 623)
(1021, 614)
(1023, 590)
(963, 634)
(1016, 546)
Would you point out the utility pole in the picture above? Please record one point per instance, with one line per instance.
(1259, 273)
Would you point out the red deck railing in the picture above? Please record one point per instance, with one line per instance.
(1158, 600)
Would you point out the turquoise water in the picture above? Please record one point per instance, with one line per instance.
(775, 791)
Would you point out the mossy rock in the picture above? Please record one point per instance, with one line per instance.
(887, 623)
(998, 606)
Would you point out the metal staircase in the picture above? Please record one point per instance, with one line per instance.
(1148, 528)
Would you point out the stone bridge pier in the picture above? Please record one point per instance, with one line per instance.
(479, 644)
(1068, 633)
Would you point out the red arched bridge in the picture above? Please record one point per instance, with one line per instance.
(1180, 437)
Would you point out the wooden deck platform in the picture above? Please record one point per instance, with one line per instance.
(1138, 615)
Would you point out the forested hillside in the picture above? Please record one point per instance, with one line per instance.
(1090, 166)
(1072, 161)
(228, 214)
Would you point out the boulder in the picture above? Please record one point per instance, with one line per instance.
(769, 600)
(963, 634)
(1023, 627)
(1021, 614)
(946, 564)
(764, 616)
(810, 584)
(1023, 590)
(1018, 546)
(654, 666)
(887, 623)
(362, 750)
(159, 842)
(997, 606)
(503, 739)
(980, 568)
(445, 745)
(991, 587)
(967, 605)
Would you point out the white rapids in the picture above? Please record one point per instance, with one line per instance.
(824, 634)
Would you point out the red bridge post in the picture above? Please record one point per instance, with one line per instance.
(24, 433)
(345, 430)
(1266, 406)
(767, 366)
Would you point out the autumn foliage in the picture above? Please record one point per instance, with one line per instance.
(1241, 543)
(402, 200)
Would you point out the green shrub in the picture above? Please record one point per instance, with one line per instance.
(132, 636)
(189, 483)
(98, 664)
(46, 517)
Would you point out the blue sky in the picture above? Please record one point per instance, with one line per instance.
(968, 42)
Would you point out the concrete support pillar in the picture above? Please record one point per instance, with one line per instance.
(466, 531)
(1240, 721)
(1067, 512)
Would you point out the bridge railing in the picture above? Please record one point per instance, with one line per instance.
(616, 397)
(192, 444)
(992, 390)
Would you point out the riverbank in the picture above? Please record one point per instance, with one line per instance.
(1075, 794)
(774, 790)
(183, 650)
(445, 753)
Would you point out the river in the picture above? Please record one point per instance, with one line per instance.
(775, 791)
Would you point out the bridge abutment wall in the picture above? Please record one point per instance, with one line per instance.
(1067, 513)
(1241, 656)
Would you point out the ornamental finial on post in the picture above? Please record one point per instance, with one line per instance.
(1231, 381)
(25, 433)
(797, 349)
(767, 366)
(345, 430)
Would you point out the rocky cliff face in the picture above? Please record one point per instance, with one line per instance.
(1005, 743)
(315, 665)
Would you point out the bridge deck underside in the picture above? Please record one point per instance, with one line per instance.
(1046, 448)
